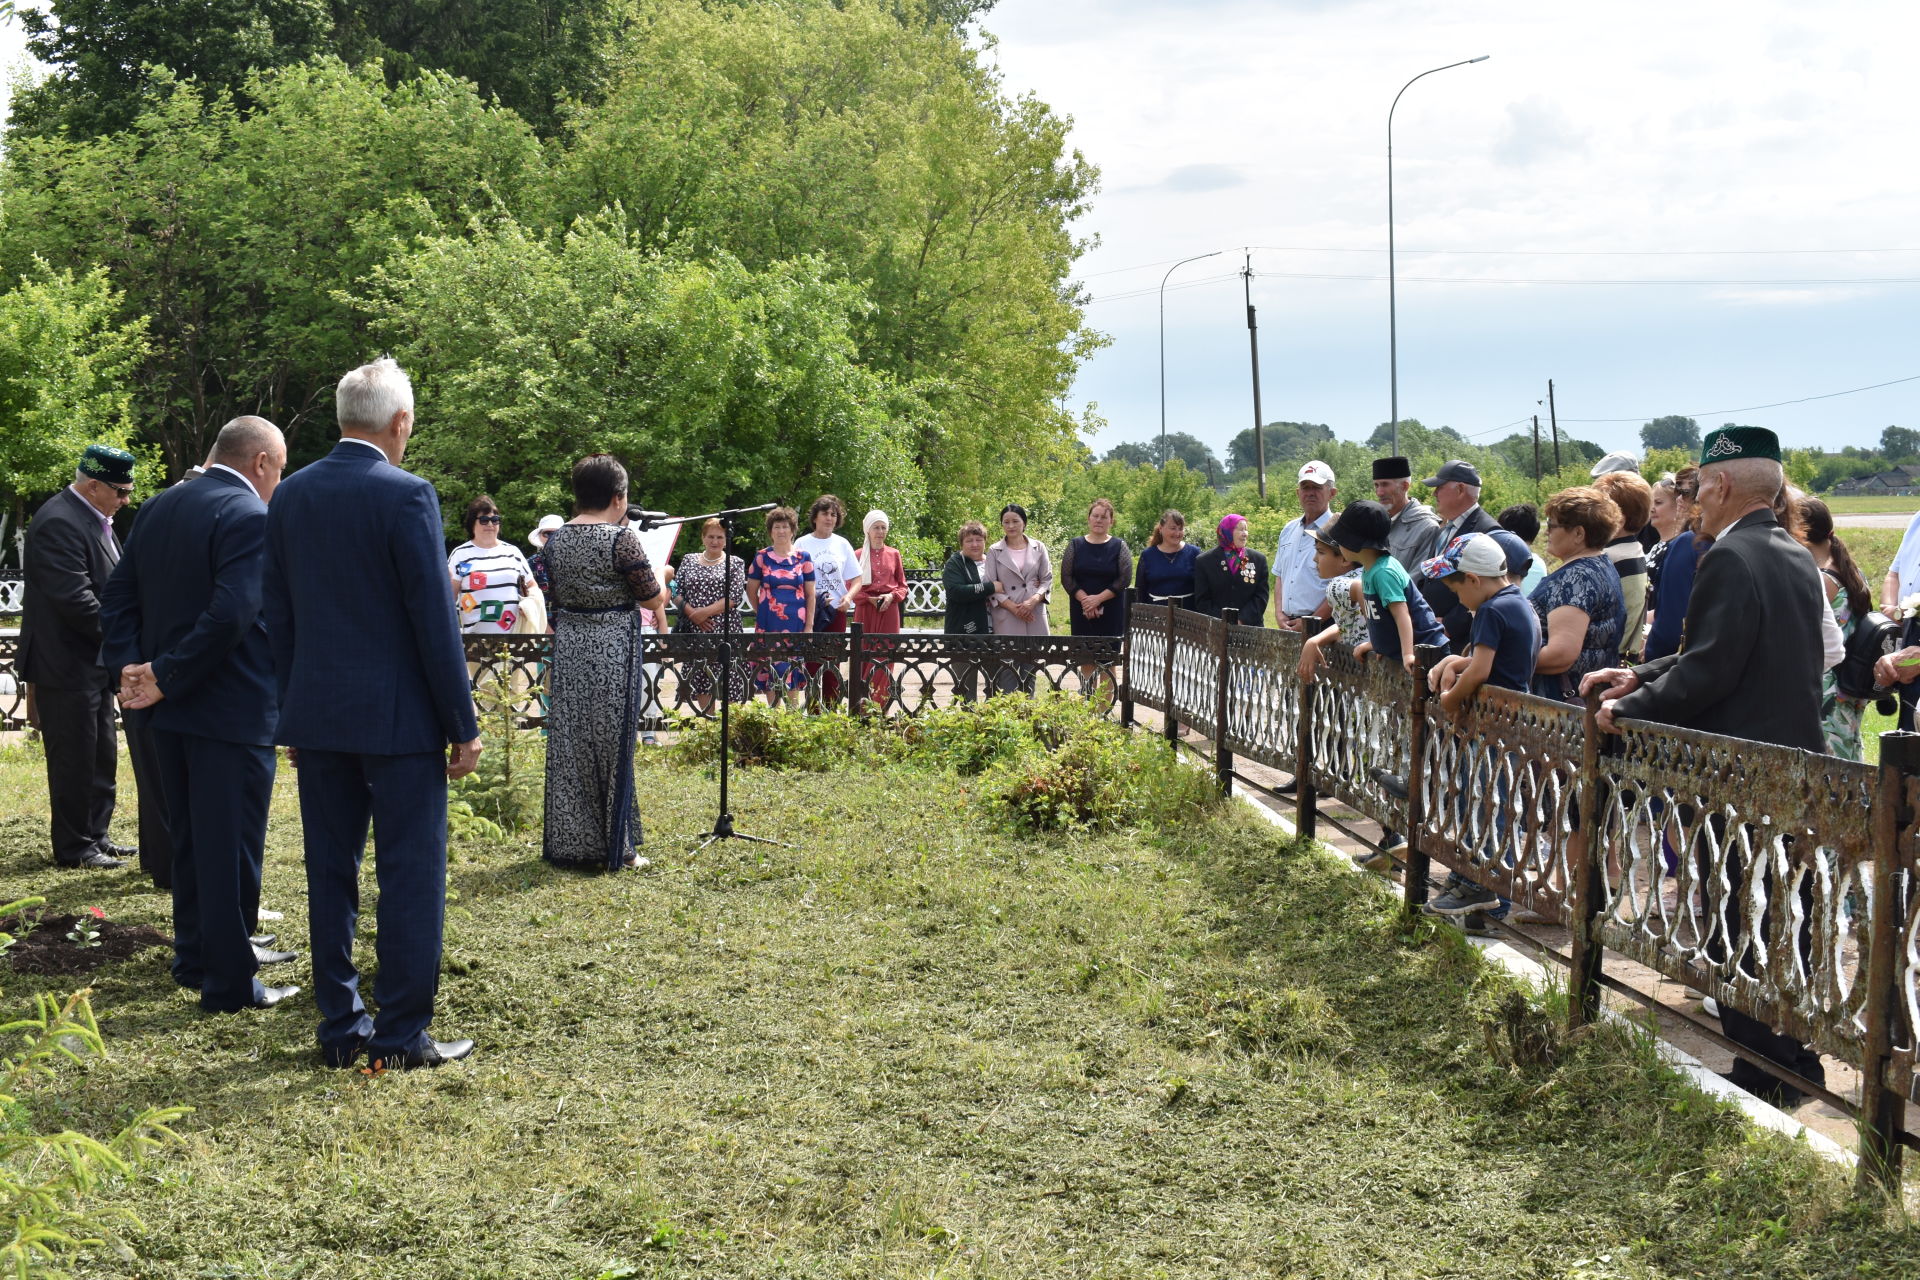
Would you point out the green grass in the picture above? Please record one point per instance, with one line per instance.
(916, 1045)
(1865, 504)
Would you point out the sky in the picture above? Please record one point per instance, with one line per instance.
(1665, 208)
(1707, 207)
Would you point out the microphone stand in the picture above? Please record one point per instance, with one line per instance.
(722, 824)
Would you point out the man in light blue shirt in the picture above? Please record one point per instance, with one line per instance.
(1300, 592)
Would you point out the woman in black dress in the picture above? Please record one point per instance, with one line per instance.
(1095, 573)
(1232, 576)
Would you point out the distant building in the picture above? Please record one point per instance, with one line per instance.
(1900, 482)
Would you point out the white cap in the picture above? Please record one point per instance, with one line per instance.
(1615, 462)
(546, 526)
(1316, 472)
(1473, 553)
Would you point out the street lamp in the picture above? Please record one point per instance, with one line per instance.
(1393, 326)
(1163, 345)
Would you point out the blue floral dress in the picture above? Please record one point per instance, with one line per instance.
(782, 607)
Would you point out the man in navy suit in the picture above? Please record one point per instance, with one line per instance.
(374, 702)
(180, 620)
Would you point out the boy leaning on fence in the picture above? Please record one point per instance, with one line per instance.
(1502, 646)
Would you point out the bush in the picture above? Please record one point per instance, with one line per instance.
(1102, 777)
(782, 738)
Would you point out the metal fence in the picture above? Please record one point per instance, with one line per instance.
(1777, 881)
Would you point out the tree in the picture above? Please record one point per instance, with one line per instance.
(1414, 437)
(66, 357)
(1187, 448)
(103, 54)
(713, 382)
(771, 131)
(237, 233)
(1284, 441)
(1900, 444)
(1130, 454)
(1671, 432)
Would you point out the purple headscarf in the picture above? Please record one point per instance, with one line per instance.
(1236, 556)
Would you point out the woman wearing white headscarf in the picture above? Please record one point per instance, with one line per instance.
(878, 601)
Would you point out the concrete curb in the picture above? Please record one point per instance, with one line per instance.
(1530, 971)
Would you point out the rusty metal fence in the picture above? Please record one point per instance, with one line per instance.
(1779, 882)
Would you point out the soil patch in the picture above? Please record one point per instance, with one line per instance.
(45, 948)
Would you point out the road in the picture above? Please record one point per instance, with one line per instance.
(1873, 520)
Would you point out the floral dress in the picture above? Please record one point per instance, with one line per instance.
(1350, 617)
(783, 607)
(1841, 717)
(595, 575)
(702, 584)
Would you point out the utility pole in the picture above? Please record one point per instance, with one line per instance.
(1253, 349)
(1536, 457)
(1554, 418)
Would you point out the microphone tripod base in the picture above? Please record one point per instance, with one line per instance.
(723, 830)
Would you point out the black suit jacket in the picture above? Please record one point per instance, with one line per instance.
(1454, 616)
(66, 560)
(1215, 590)
(1749, 665)
(186, 597)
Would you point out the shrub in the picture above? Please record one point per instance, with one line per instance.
(782, 738)
(43, 1175)
(506, 790)
(1101, 777)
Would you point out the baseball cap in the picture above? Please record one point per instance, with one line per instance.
(1363, 524)
(1615, 462)
(1455, 470)
(1316, 472)
(1470, 553)
(1519, 554)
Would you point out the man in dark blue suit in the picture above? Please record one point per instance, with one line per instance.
(180, 620)
(374, 702)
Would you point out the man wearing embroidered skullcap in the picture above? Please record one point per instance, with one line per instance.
(1749, 667)
(70, 552)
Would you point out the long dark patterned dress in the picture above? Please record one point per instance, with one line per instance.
(595, 573)
(701, 584)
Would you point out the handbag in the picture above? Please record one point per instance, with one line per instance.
(1872, 638)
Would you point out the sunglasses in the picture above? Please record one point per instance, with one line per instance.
(486, 519)
(124, 490)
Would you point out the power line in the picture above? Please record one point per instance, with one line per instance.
(1777, 404)
(1792, 282)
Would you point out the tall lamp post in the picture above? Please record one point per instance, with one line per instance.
(1163, 345)
(1393, 321)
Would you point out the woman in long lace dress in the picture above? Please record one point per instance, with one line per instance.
(597, 578)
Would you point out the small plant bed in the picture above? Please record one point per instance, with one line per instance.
(73, 945)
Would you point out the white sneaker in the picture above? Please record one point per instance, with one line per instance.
(265, 914)
(1710, 1006)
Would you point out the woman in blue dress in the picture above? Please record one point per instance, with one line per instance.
(1164, 572)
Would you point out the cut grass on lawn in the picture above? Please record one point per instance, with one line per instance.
(916, 1045)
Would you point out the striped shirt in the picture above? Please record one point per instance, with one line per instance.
(487, 581)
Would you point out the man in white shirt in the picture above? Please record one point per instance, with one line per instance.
(1300, 592)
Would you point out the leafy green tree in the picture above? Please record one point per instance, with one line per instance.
(1415, 437)
(771, 131)
(1187, 448)
(1284, 441)
(1900, 444)
(1132, 454)
(66, 357)
(1671, 432)
(714, 383)
(104, 54)
(1140, 492)
(237, 233)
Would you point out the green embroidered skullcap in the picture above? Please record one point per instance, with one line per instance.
(106, 463)
(1729, 443)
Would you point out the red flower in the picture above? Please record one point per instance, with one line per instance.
(97, 913)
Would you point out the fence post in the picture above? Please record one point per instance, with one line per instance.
(1883, 1110)
(1126, 667)
(1584, 860)
(1222, 758)
(1306, 800)
(856, 672)
(1419, 865)
(1170, 722)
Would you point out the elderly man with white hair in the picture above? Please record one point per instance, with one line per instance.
(1749, 668)
(374, 699)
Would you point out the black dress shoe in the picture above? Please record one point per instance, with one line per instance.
(269, 997)
(263, 956)
(91, 860)
(1289, 789)
(125, 852)
(432, 1054)
(262, 939)
(342, 1056)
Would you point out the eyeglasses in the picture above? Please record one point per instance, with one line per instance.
(493, 519)
(124, 490)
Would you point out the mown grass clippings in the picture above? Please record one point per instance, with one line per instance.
(920, 1044)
